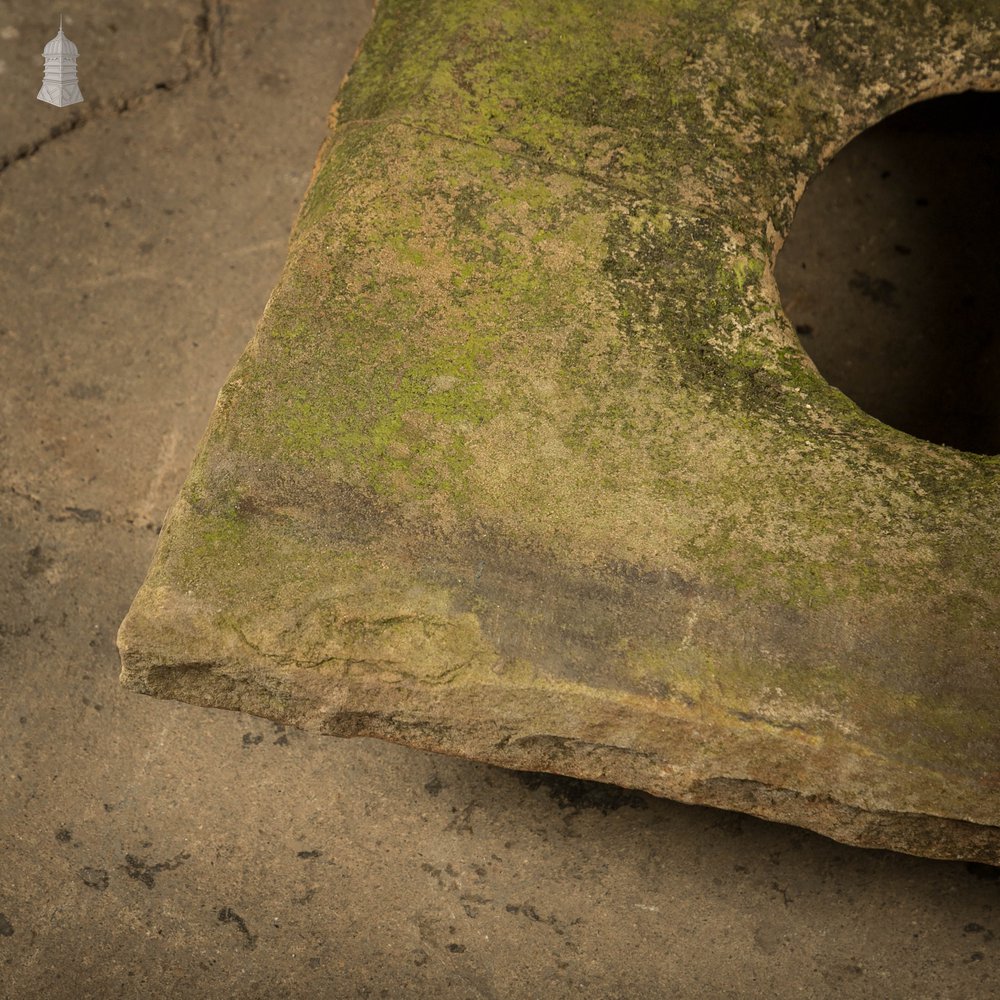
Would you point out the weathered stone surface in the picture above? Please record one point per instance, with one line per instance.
(525, 463)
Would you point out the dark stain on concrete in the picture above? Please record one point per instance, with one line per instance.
(37, 562)
(145, 873)
(6, 927)
(531, 912)
(84, 390)
(88, 515)
(977, 928)
(879, 290)
(96, 878)
(577, 795)
(471, 902)
(986, 873)
(461, 822)
(227, 915)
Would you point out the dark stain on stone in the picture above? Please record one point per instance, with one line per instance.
(64, 835)
(6, 927)
(252, 739)
(976, 928)
(494, 576)
(145, 873)
(879, 290)
(756, 717)
(456, 949)
(431, 870)
(531, 912)
(439, 875)
(83, 390)
(380, 725)
(96, 878)
(621, 571)
(227, 915)
(567, 620)
(37, 562)
(902, 249)
(308, 854)
(803, 329)
(471, 903)
(783, 891)
(88, 515)
(577, 795)
(461, 822)
(434, 786)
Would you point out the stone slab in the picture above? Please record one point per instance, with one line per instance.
(526, 464)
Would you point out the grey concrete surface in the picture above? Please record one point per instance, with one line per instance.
(155, 849)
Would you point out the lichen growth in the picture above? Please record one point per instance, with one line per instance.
(527, 354)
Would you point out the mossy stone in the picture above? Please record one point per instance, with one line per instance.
(526, 464)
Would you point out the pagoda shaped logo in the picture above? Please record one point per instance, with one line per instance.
(59, 86)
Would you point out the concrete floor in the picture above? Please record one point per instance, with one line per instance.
(155, 849)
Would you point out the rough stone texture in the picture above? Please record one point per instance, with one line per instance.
(356, 868)
(525, 463)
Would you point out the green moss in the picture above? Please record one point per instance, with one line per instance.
(527, 335)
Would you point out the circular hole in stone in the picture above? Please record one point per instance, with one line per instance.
(891, 271)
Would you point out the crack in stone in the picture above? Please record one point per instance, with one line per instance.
(209, 27)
